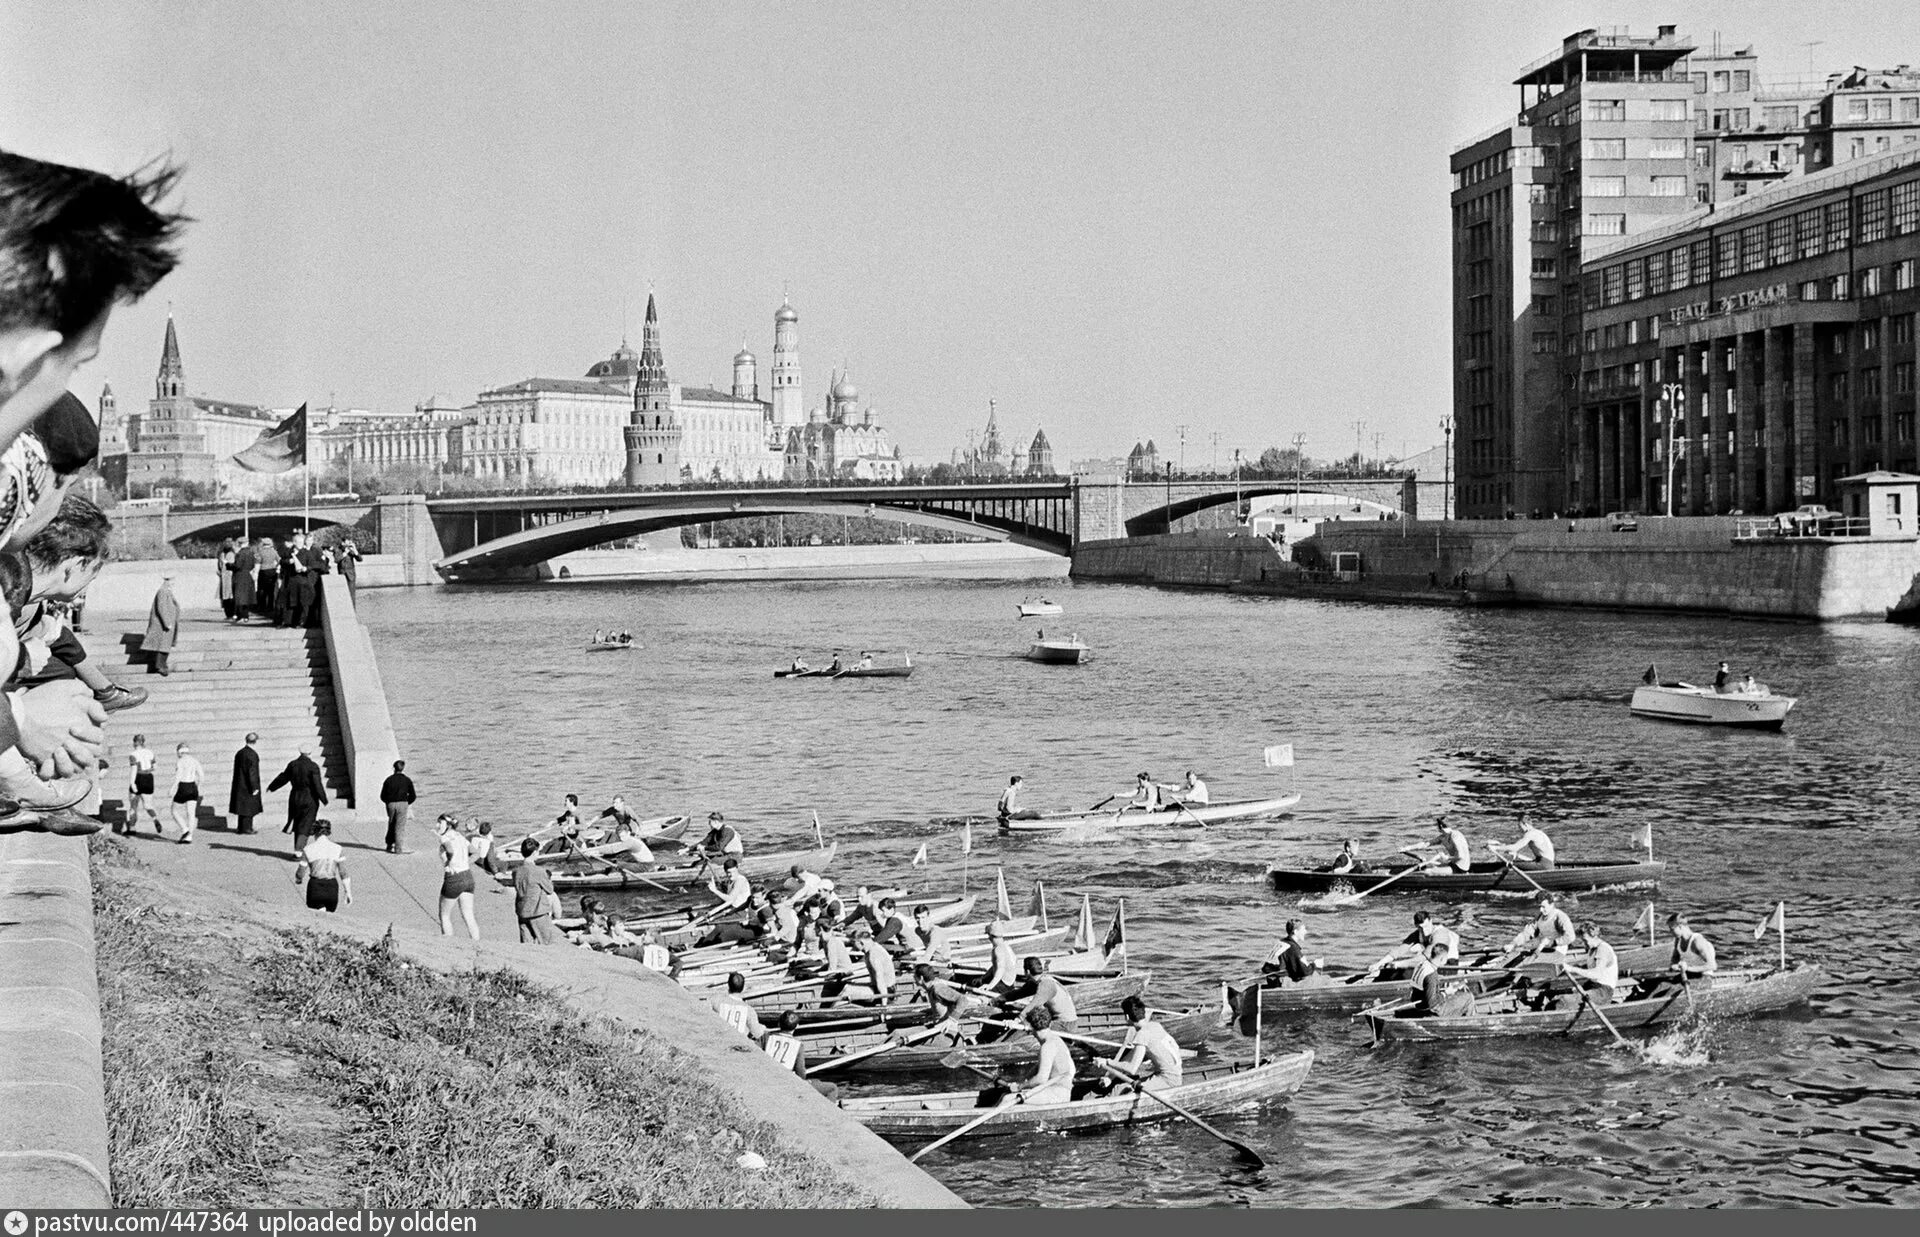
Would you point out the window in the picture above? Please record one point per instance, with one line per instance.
(1810, 290)
(1903, 329)
(1869, 384)
(1880, 109)
(1869, 336)
(1910, 109)
(1883, 142)
(1738, 157)
(1636, 280)
(1545, 231)
(1702, 156)
(1590, 292)
(1906, 208)
(1722, 80)
(1838, 342)
(1669, 186)
(1700, 119)
(1699, 83)
(1857, 148)
(1606, 148)
(1677, 269)
(1780, 241)
(1839, 226)
(1545, 342)
(1613, 286)
(1837, 388)
(1869, 286)
(1610, 336)
(1856, 109)
(1726, 255)
(1720, 118)
(1544, 268)
(1903, 427)
(1656, 273)
(1809, 240)
(1702, 261)
(1873, 216)
(1539, 195)
(1838, 431)
(1606, 186)
(1903, 382)
(1609, 109)
(1590, 341)
(1702, 193)
(1742, 118)
(1667, 148)
(1837, 288)
(1903, 275)
(1742, 80)
(1753, 247)
(1665, 109)
(1547, 306)
(1606, 225)
(1780, 117)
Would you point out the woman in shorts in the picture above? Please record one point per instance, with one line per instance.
(140, 787)
(321, 867)
(456, 880)
(186, 791)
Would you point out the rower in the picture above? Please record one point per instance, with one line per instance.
(1149, 1051)
(800, 665)
(801, 883)
(1146, 794)
(784, 920)
(721, 839)
(748, 1020)
(743, 931)
(1550, 929)
(1051, 993)
(1427, 932)
(1052, 1082)
(1429, 993)
(936, 941)
(893, 932)
(1601, 976)
(836, 667)
(865, 662)
(1533, 852)
(1348, 860)
(1287, 965)
(568, 821)
(622, 818)
(836, 906)
(1004, 975)
(1454, 851)
(1008, 796)
(944, 1001)
(1692, 953)
(1195, 791)
(879, 962)
(737, 891)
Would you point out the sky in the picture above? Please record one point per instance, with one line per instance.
(1110, 218)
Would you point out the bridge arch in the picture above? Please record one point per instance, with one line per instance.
(1158, 517)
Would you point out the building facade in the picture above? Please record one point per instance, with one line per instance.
(1616, 134)
(1772, 340)
(190, 438)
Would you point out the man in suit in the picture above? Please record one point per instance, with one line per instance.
(163, 623)
(243, 797)
(306, 792)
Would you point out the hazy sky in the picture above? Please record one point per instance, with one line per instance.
(1112, 218)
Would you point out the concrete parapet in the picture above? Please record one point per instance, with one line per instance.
(406, 529)
(1197, 560)
(53, 1113)
(366, 727)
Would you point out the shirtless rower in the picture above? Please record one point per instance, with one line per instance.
(1601, 976)
(1052, 1081)
(1052, 994)
(1533, 852)
(1146, 793)
(1454, 851)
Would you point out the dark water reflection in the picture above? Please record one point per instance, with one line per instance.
(1396, 714)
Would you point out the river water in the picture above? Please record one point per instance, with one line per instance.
(1395, 714)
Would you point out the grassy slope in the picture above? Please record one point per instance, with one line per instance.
(260, 1066)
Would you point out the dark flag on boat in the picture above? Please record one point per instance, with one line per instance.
(280, 449)
(1651, 678)
(1117, 934)
(1245, 1003)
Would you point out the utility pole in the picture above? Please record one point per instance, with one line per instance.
(1446, 468)
(1359, 444)
(1213, 469)
(1299, 468)
(1181, 430)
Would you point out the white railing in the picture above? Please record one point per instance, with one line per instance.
(1790, 525)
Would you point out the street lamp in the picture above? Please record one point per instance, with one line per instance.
(1170, 491)
(1237, 518)
(1181, 430)
(1446, 469)
(1299, 469)
(1674, 393)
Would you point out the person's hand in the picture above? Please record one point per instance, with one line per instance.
(61, 728)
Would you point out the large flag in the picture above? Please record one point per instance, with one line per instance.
(920, 856)
(280, 449)
(1280, 756)
(1002, 908)
(966, 837)
(1774, 922)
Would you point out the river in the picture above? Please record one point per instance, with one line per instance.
(1395, 714)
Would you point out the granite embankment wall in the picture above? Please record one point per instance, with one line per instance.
(1688, 565)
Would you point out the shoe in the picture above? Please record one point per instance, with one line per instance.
(186, 838)
(406, 852)
(61, 822)
(115, 697)
(36, 794)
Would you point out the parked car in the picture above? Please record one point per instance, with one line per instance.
(1623, 521)
(1808, 518)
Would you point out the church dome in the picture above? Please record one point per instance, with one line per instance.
(786, 313)
(844, 390)
(743, 357)
(624, 363)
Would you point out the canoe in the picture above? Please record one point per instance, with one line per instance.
(1189, 1029)
(1490, 877)
(1683, 702)
(685, 876)
(803, 674)
(1204, 1091)
(1057, 652)
(1496, 1015)
(835, 997)
(1204, 813)
(877, 672)
(613, 647)
(1039, 609)
(1354, 993)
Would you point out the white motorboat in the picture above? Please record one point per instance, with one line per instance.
(1058, 652)
(1035, 609)
(1683, 702)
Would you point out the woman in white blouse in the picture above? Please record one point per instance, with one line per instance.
(187, 774)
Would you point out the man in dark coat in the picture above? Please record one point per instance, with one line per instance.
(163, 623)
(286, 605)
(244, 562)
(266, 588)
(306, 792)
(243, 796)
(397, 794)
(350, 565)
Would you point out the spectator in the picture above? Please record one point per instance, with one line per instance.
(533, 897)
(266, 591)
(140, 784)
(241, 570)
(187, 776)
(456, 879)
(350, 566)
(163, 624)
(306, 791)
(397, 793)
(243, 795)
(223, 570)
(63, 558)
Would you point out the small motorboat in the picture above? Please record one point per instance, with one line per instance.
(867, 669)
(1037, 609)
(1069, 652)
(611, 646)
(1683, 702)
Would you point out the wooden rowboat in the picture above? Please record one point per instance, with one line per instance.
(1497, 1015)
(1131, 817)
(1481, 878)
(1189, 1029)
(684, 876)
(1205, 1091)
(1353, 991)
(834, 997)
(876, 672)
(1038, 609)
(596, 835)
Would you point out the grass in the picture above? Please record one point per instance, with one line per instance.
(252, 1066)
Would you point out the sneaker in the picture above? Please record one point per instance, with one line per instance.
(115, 697)
(37, 794)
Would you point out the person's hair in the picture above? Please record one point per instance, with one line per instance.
(253, 736)
(589, 906)
(736, 982)
(1420, 917)
(790, 1020)
(74, 241)
(69, 435)
(923, 970)
(1547, 898)
(920, 910)
(1133, 1008)
(1039, 1018)
(1585, 928)
(528, 847)
(887, 904)
(574, 800)
(1015, 778)
(776, 895)
(795, 870)
(16, 580)
(486, 826)
(730, 865)
(1293, 926)
(140, 740)
(323, 826)
(1676, 920)
(399, 766)
(1034, 966)
(179, 747)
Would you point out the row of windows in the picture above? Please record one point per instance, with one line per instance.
(1481, 169)
(1739, 81)
(1881, 108)
(1857, 147)
(1839, 387)
(1894, 211)
(1657, 187)
(1604, 110)
(1657, 148)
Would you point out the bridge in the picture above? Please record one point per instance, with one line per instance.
(494, 536)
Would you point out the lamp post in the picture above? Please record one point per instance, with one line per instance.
(1446, 468)
(1181, 431)
(1237, 519)
(1674, 393)
(1299, 469)
(1170, 494)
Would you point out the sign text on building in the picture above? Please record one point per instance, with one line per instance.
(1699, 311)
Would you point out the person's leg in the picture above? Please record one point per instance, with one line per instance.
(446, 916)
(393, 827)
(160, 663)
(192, 814)
(466, 912)
(245, 824)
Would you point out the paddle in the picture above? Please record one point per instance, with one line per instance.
(1587, 1001)
(1083, 1039)
(1511, 865)
(980, 1120)
(1246, 1153)
(1351, 898)
(874, 1051)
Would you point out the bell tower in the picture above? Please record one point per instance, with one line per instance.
(789, 406)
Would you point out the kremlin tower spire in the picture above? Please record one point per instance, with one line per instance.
(653, 430)
(172, 380)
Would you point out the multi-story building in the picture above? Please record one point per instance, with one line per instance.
(1616, 134)
(190, 438)
(1771, 339)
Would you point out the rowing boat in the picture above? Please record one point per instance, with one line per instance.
(1189, 1029)
(1204, 1091)
(555, 849)
(876, 672)
(676, 932)
(1498, 1015)
(1353, 991)
(1133, 817)
(683, 876)
(836, 993)
(825, 672)
(1481, 878)
(1058, 652)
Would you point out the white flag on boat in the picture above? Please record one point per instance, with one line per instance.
(1280, 756)
(920, 856)
(818, 840)
(966, 837)
(1001, 905)
(1772, 923)
(1643, 836)
(1645, 922)
(1083, 936)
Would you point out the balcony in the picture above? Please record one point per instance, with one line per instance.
(1756, 169)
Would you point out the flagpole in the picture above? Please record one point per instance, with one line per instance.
(1651, 920)
(1780, 921)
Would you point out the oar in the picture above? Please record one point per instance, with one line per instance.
(1538, 887)
(1351, 898)
(1589, 1003)
(1109, 799)
(1078, 1038)
(969, 1127)
(876, 1050)
(1246, 1153)
(1196, 820)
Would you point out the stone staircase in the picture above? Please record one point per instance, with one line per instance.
(226, 681)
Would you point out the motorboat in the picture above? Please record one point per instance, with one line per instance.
(1683, 702)
(1039, 609)
(1068, 652)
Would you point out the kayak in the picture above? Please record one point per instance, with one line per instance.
(1130, 817)
(1480, 878)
